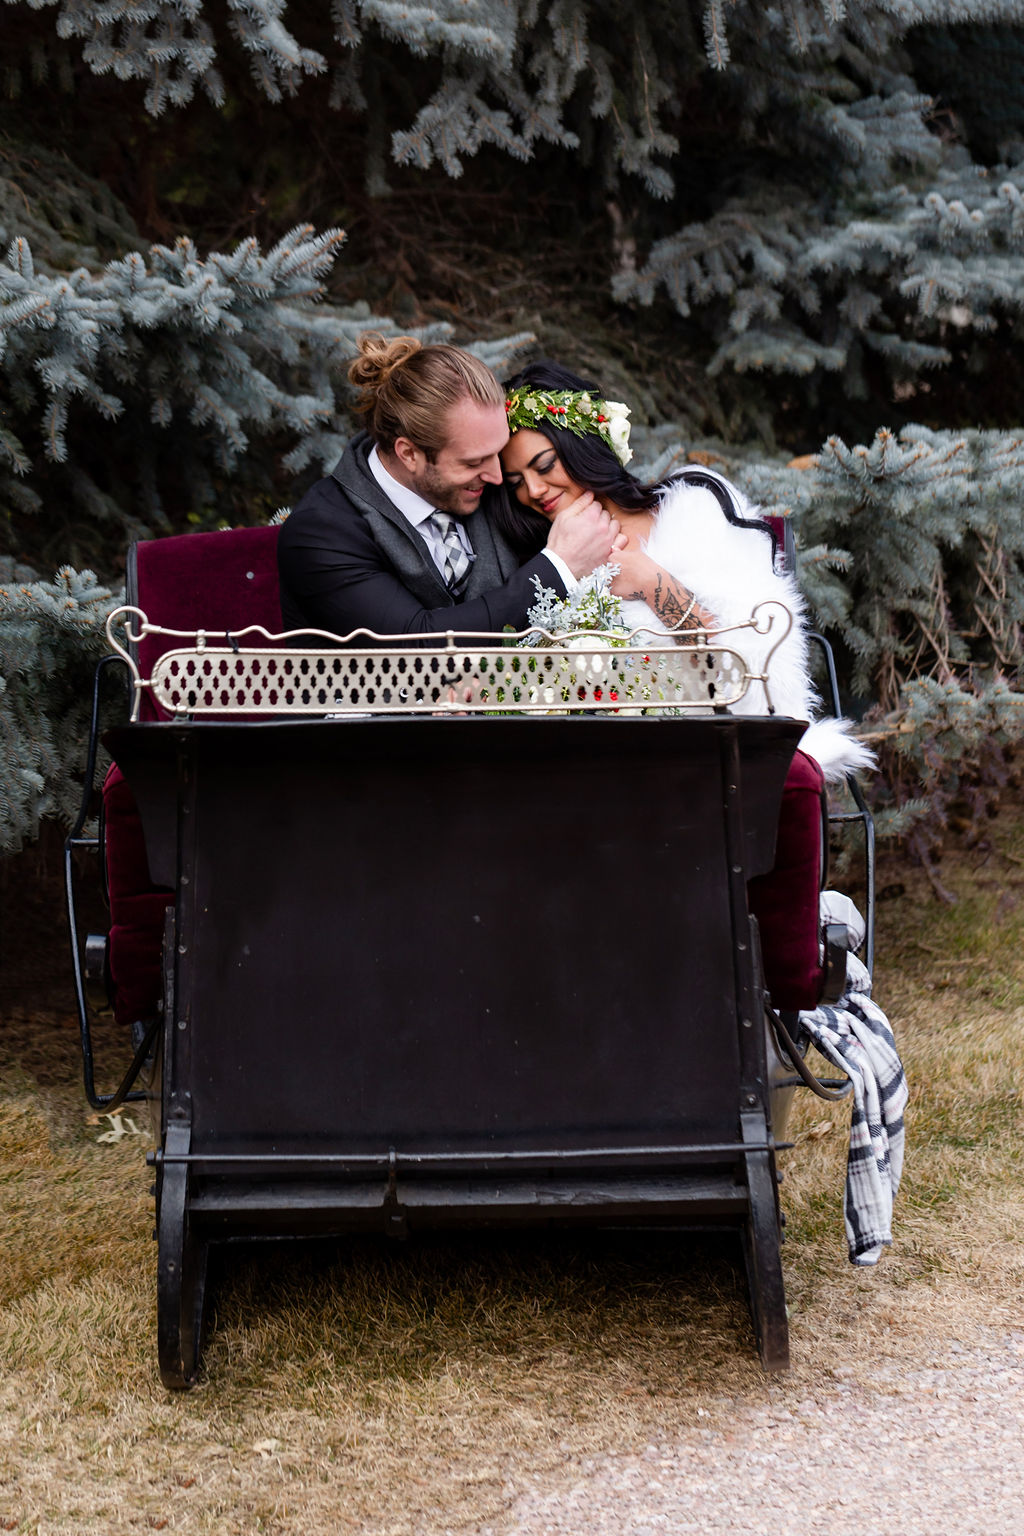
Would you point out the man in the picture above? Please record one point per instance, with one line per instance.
(398, 538)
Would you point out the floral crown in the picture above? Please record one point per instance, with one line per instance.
(578, 413)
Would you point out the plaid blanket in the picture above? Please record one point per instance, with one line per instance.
(854, 1035)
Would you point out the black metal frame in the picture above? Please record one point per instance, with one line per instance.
(124, 1093)
(145, 1042)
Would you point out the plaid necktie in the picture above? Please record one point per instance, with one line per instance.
(456, 559)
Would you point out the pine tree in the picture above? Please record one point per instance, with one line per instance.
(819, 205)
(163, 387)
(178, 358)
(51, 634)
(783, 184)
(910, 550)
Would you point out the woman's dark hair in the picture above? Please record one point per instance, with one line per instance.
(593, 465)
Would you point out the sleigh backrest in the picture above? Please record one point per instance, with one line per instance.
(220, 582)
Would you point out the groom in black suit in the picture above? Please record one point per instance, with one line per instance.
(398, 538)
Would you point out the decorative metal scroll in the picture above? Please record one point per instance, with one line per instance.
(234, 675)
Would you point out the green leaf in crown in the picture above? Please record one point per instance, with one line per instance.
(580, 414)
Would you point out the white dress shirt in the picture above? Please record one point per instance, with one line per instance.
(420, 514)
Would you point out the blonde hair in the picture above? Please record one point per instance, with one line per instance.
(407, 389)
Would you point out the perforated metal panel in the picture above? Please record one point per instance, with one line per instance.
(224, 682)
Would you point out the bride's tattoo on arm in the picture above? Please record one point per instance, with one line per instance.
(674, 605)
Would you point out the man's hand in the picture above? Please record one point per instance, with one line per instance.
(583, 535)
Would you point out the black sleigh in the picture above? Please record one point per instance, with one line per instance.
(438, 937)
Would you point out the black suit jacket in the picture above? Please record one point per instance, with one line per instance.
(348, 559)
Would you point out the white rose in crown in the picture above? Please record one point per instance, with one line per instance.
(618, 429)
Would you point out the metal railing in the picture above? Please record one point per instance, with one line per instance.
(253, 672)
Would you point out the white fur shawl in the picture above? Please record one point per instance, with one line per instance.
(729, 571)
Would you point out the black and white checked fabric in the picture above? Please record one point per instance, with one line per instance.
(855, 1036)
(457, 559)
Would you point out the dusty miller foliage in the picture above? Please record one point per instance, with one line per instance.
(847, 257)
(589, 605)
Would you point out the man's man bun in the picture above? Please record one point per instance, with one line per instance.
(377, 359)
(406, 389)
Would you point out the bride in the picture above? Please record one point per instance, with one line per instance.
(691, 556)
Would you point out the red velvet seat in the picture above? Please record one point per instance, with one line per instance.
(221, 582)
(785, 900)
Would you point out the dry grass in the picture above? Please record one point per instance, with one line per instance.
(364, 1388)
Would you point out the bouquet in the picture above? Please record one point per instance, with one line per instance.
(589, 618)
(589, 606)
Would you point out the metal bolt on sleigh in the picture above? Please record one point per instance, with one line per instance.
(359, 934)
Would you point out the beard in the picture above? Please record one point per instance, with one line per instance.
(434, 487)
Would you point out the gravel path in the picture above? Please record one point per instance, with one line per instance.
(921, 1452)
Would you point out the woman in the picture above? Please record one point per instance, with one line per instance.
(693, 556)
(690, 556)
